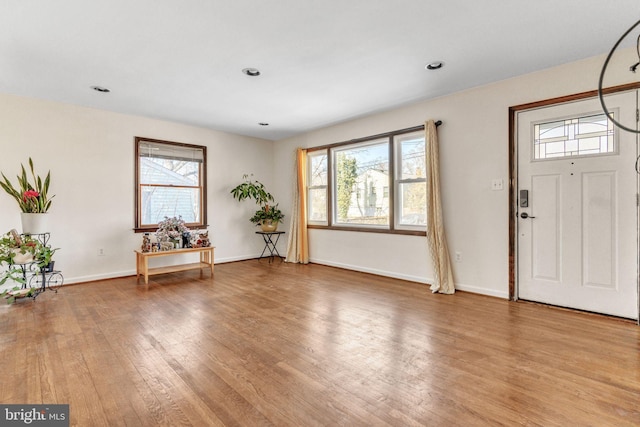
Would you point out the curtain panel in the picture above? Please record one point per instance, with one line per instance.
(435, 221)
(298, 243)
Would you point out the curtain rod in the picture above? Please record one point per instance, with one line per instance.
(415, 128)
(367, 138)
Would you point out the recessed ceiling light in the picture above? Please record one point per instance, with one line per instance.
(263, 124)
(252, 72)
(100, 89)
(435, 65)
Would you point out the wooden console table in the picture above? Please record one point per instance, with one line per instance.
(142, 262)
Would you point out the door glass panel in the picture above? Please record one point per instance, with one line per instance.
(578, 136)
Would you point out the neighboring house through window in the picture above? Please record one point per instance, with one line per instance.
(170, 182)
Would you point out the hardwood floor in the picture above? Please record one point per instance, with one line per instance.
(292, 345)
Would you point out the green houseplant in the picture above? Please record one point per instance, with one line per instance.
(32, 197)
(268, 216)
(16, 251)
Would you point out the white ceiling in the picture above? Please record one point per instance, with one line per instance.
(322, 61)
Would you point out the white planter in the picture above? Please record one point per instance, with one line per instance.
(21, 258)
(34, 223)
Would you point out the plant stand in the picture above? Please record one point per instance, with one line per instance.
(46, 278)
(37, 279)
(269, 244)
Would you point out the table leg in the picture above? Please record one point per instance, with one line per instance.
(138, 265)
(145, 267)
(210, 257)
(275, 248)
(266, 245)
(270, 245)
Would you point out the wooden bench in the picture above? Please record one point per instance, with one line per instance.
(142, 262)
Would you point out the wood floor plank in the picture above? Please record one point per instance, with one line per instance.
(279, 344)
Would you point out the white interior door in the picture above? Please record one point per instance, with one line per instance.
(578, 229)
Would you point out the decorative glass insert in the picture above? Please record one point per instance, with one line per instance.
(579, 136)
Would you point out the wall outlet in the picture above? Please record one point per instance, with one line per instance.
(497, 184)
(100, 252)
(458, 256)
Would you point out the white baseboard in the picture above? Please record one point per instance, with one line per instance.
(482, 291)
(374, 271)
(236, 258)
(395, 275)
(94, 277)
(104, 276)
(425, 280)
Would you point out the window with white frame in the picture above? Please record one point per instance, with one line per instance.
(170, 182)
(317, 187)
(411, 189)
(371, 184)
(360, 173)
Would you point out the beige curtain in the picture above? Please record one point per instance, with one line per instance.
(298, 244)
(435, 221)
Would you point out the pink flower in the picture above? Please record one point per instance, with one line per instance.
(30, 194)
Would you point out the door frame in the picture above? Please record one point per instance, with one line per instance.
(513, 167)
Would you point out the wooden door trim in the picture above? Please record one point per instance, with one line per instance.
(513, 163)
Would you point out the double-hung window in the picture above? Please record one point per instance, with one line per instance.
(410, 182)
(317, 187)
(170, 182)
(361, 175)
(371, 184)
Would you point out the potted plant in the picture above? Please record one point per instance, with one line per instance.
(17, 251)
(268, 216)
(33, 198)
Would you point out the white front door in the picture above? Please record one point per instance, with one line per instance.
(577, 209)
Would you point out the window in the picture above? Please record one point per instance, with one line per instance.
(317, 187)
(170, 181)
(360, 170)
(411, 181)
(578, 136)
(372, 184)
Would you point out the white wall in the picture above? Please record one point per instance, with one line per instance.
(91, 157)
(474, 151)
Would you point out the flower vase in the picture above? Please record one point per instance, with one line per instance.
(34, 223)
